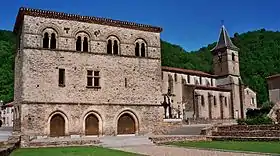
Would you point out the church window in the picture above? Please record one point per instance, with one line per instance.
(53, 41)
(233, 57)
(226, 101)
(79, 44)
(175, 77)
(116, 47)
(61, 77)
(200, 80)
(211, 82)
(85, 44)
(109, 47)
(202, 100)
(189, 78)
(143, 50)
(215, 102)
(46, 40)
(220, 56)
(137, 49)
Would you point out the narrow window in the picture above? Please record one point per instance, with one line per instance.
(162, 75)
(189, 79)
(211, 82)
(215, 102)
(137, 49)
(53, 41)
(46, 40)
(233, 57)
(125, 82)
(170, 83)
(143, 50)
(89, 78)
(109, 47)
(85, 44)
(79, 43)
(96, 79)
(207, 83)
(225, 101)
(61, 78)
(175, 77)
(202, 100)
(200, 80)
(116, 47)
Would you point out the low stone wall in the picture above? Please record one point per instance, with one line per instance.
(233, 138)
(61, 143)
(165, 127)
(175, 138)
(258, 133)
(7, 147)
(249, 127)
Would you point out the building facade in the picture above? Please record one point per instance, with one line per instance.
(203, 96)
(80, 75)
(7, 114)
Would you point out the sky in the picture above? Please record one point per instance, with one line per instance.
(191, 24)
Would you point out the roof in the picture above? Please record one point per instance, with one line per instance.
(187, 71)
(273, 76)
(224, 41)
(209, 88)
(11, 104)
(74, 17)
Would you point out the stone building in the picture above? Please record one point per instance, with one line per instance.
(202, 96)
(6, 114)
(273, 83)
(80, 75)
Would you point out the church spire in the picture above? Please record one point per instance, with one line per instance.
(224, 41)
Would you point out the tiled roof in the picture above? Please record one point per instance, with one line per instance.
(187, 71)
(273, 76)
(89, 19)
(209, 88)
(224, 41)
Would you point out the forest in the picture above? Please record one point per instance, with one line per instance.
(259, 57)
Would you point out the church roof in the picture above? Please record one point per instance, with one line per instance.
(89, 19)
(187, 71)
(224, 41)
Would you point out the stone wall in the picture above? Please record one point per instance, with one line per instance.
(172, 138)
(38, 124)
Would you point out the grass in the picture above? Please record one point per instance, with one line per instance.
(252, 146)
(70, 151)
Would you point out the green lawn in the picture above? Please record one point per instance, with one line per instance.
(263, 147)
(70, 151)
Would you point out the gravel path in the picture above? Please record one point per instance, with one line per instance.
(177, 151)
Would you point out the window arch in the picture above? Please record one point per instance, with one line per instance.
(49, 38)
(140, 48)
(137, 49)
(46, 40)
(113, 46)
(82, 42)
(109, 47)
(79, 43)
(53, 41)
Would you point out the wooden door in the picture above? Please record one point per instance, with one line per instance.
(92, 126)
(126, 124)
(57, 126)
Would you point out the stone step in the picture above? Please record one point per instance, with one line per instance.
(258, 133)
(233, 138)
(124, 141)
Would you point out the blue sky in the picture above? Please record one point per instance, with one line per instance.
(188, 23)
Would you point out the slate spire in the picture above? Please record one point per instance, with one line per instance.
(224, 41)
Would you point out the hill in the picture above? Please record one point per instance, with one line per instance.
(259, 57)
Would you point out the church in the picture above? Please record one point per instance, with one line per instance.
(87, 76)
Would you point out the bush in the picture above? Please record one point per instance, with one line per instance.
(260, 120)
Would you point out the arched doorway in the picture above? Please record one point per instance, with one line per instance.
(57, 126)
(126, 124)
(91, 125)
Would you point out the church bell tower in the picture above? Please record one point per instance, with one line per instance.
(226, 67)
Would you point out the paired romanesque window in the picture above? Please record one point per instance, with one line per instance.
(93, 78)
(140, 48)
(49, 40)
(61, 77)
(113, 45)
(82, 42)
